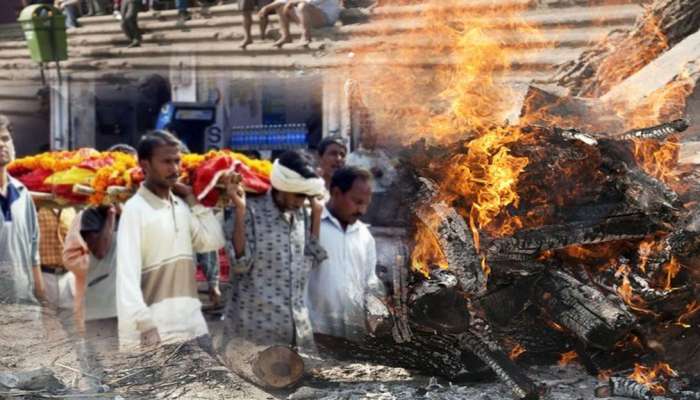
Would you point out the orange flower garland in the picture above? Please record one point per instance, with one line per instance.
(116, 174)
(116, 168)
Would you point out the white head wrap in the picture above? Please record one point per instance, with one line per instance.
(287, 180)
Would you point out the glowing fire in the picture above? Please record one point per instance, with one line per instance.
(648, 376)
(426, 252)
(555, 326)
(635, 302)
(516, 352)
(690, 310)
(646, 249)
(567, 358)
(458, 97)
(671, 269)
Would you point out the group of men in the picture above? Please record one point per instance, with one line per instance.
(301, 260)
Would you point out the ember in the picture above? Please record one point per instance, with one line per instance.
(650, 376)
(567, 358)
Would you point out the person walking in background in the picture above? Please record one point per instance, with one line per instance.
(160, 230)
(338, 288)
(20, 272)
(70, 9)
(247, 7)
(53, 228)
(182, 12)
(130, 21)
(116, 7)
(332, 151)
(90, 253)
(95, 7)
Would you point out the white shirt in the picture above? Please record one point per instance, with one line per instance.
(337, 287)
(156, 284)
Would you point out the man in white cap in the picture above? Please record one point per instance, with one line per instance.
(273, 244)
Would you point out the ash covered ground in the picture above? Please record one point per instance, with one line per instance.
(34, 339)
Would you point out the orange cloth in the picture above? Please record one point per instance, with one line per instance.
(53, 228)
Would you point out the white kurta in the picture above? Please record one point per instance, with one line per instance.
(156, 284)
(337, 289)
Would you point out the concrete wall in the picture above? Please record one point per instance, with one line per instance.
(27, 106)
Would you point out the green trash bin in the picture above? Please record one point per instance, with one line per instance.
(45, 31)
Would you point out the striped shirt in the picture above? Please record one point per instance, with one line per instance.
(156, 285)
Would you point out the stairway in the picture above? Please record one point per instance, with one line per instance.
(211, 40)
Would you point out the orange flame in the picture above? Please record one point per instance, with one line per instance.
(671, 269)
(426, 252)
(690, 310)
(635, 302)
(516, 352)
(457, 95)
(648, 376)
(567, 358)
(646, 249)
(555, 326)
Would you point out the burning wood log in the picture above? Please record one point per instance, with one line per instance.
(529, 243)
(657, 132)
(624, 387)
(582, 310)
(502, 366)
(457, 244)
(275, 367)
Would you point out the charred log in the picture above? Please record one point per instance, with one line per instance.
(582, 310)
(430, 352)
(528, 244)
(502, 366)
(625, 388)
(275, 367)
(658, 132)
(439, 304)
(457, 244)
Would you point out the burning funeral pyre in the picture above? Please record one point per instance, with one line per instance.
(567, 237)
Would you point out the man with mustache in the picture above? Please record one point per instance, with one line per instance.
(161, 227)
(20, 273)
(338, 288)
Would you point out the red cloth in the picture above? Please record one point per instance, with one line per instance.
(34, 180)
(205, 174)
(94, 164)
(252, 181)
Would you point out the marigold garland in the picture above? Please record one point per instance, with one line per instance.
(116, 168)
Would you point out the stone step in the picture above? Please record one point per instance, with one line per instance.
(572, 16)
(554, 38)
(568, 17)
(520, 61)
(514, 78)
(474, 6)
